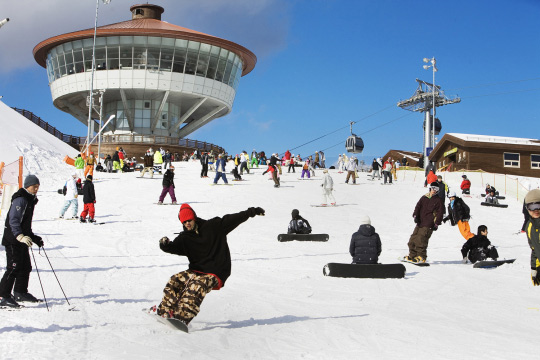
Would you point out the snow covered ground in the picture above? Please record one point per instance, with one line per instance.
(277, 304)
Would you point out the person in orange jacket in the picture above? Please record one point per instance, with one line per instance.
(90, 162)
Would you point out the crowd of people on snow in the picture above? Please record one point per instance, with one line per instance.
(204, 241)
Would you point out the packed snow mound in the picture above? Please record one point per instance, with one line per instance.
(43, 152)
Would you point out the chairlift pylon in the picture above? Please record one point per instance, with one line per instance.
(354, 144)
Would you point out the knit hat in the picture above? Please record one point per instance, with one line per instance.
(433, 186)
(365, 220)
(464, 176)
(30, 180)
(89, 177)
(532, 196)
(186, 213)
(295, 213)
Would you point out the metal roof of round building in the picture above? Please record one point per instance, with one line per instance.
(146, 21)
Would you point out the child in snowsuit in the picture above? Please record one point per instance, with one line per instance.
(298, 225)
(204, 243)
(89, 199)
(305, 170)
(479, 248)
(365, 245)
(328, 187)
(168, 186)
(532, 229)
(491, 198)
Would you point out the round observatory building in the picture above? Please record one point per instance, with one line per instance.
(161, 81)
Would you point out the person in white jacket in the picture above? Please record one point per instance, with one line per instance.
(328, 187)
(351, 170)
(71, 196)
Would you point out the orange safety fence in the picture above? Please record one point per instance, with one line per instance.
(12, 173)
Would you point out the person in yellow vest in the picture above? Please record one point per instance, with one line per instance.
(90, 162)
(158, 161)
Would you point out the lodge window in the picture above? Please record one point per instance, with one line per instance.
(535, 161)
(511, 159)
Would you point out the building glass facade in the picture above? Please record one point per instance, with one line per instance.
(143, 113)
(146, 53)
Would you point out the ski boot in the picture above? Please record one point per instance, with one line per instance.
(9, 302)
(82, 220)
(419, 259)
(25, 297)
(91, 220)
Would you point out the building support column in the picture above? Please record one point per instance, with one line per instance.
(194, 125)
(127, 111)
(157, 116)
(188, 113)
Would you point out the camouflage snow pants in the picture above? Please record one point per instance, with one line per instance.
(184, 294)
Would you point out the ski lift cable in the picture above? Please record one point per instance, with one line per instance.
(341, 128)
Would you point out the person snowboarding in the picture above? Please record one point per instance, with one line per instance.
(459, 214)
(89, 199)
(328, 187)
(220, 169)
(491, 198)
(168, 186)
(532, 229)
(18, 237)
(479, 248)
(365, 246)
(79, 166)
(375, 170)
(148, 164)
(204, 165)
(298, 225)
(204, 243)
(71, 196)
(427, 216)
(351, 170)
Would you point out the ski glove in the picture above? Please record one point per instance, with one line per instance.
(435, 227)
(255, 211)
(164, 240)
(25, 240)
(535, 277)
(37, 240)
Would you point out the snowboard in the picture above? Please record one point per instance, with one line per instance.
(168, 204)
(171, 322)
(500, 197)
(303, 237)
(492, 263)
(410, 262)
(373, 271)
(494, 205)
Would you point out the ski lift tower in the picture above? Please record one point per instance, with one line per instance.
(425, 99)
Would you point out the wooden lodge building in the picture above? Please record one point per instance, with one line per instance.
(495, 154)
(406, 158)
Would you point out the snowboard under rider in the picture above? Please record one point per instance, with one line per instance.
(365, 245)
(298, 225)
(204, 242)
(18, 238)
(479, 248)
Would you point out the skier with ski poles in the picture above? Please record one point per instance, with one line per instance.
(204, 242)
(18, 238)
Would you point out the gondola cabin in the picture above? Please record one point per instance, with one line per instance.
(354, 144)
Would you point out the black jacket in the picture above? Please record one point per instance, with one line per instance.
(365, 245)
(115, 156)
(299, 226)
(478, 248)
(168, 178)
(19, 218)
(204, 159)
(532, 229)
(207, 249)
(460, 211)
(89, 196)
(375, 165)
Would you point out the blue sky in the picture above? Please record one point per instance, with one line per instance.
(322, 64)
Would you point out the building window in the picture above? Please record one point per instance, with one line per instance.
(511, 160)
(139, 12)
(535, 161)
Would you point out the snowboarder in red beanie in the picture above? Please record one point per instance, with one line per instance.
(204, 242)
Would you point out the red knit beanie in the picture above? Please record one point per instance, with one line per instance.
(186, 213)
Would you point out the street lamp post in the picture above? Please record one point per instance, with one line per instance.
(91, 95)
(430, 133)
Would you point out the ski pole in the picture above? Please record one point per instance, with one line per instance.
(39, 277)
(56, 276)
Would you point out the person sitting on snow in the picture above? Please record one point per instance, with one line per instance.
(465, 185)
(491, 198)
(365, 245)
(298, 225)
(479, 248)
